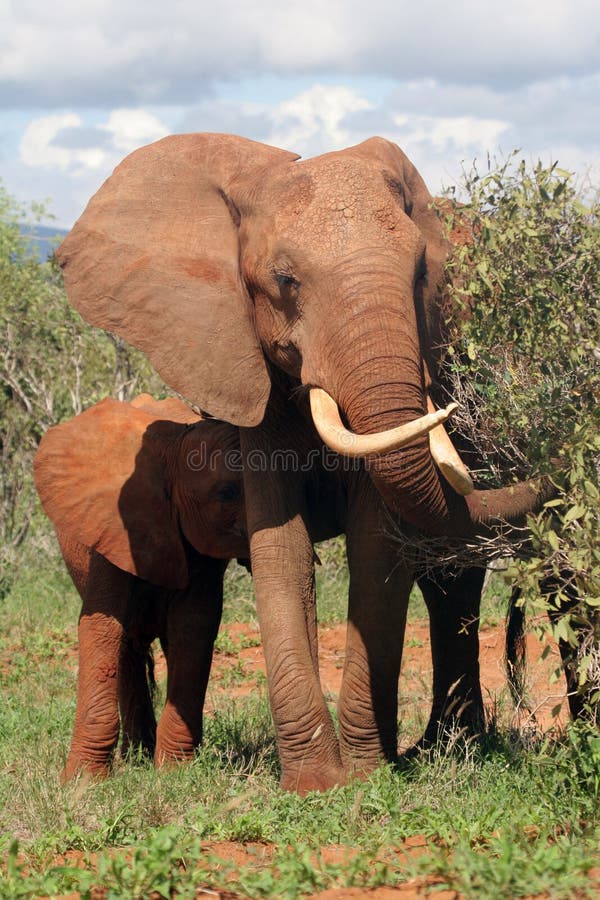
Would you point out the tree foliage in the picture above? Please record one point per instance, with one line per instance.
(52, 365)
(523, 358)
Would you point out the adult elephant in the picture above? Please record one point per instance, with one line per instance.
(147, 512)
(245, 274)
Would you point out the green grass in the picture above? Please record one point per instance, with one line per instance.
(502, 818)
(497, 821)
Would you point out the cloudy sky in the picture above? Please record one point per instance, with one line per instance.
(84, 82)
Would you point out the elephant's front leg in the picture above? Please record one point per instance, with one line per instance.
(193, 620)
(283, 573)
(453, 603)
(379, 592)
(100, 633)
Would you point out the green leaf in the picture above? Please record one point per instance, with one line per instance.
(576, 512)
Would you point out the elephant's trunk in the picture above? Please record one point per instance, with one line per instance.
(379, 385)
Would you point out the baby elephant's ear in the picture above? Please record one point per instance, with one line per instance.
(170, 408)
(102, 480)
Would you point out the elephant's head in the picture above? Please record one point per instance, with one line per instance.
(132, 480)
(215, 254)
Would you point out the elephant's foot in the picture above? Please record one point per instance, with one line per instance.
(367, 742)
(177, 739)
(85, 770)
(170, 752)
(361, 766)
(306, 778)
(170, 759)
(368, 735)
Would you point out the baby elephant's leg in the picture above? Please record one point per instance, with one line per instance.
(105, 595)
(145, 614)
(193, 620)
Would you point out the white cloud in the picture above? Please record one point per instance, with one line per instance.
(449, 134)
(62, 141)
(108, 52)
(313, 121)
(130, 128)
(37, 148)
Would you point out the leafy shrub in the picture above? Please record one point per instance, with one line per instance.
(523, 358)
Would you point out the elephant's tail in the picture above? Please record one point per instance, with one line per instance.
(516, 651)
(150, 674)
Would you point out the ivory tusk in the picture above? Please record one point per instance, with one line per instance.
(328, 423)
(447, 459)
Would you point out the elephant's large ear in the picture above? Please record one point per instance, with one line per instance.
(102, 480)
(154, 258)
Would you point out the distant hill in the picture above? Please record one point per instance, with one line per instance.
(43, 238)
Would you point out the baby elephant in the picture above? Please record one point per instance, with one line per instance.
(146, 499)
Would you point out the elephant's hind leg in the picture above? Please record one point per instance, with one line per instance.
(96, 729)
(136, 682)
(193, 620)
(453, 603)
(146, 617)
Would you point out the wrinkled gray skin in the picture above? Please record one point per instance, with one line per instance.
(246, 275)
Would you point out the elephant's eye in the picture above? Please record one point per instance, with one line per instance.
(286, 279)
(229, 492)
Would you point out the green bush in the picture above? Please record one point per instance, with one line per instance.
(523, 358)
